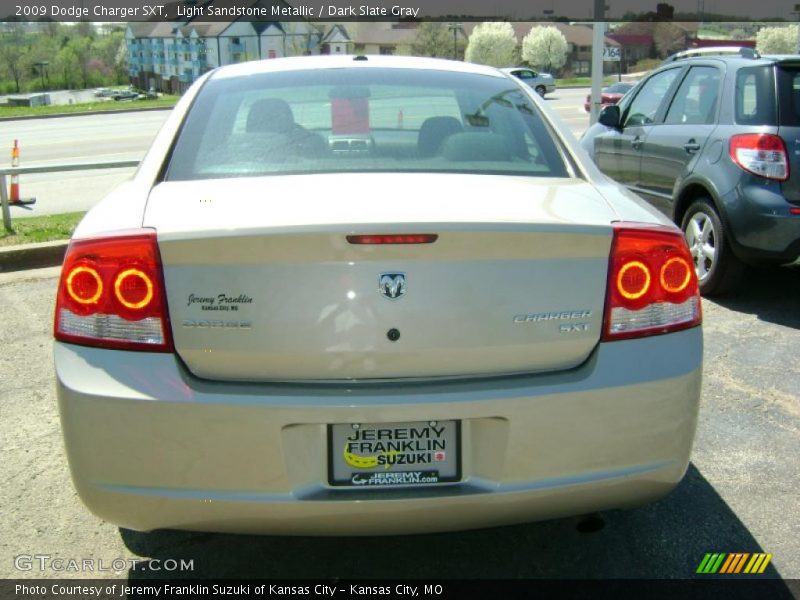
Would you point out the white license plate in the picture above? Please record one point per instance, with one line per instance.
(375, 455)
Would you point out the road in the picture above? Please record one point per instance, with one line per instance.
(86, 138)
(127, 136)
(739, 495)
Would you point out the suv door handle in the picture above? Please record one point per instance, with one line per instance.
(636, 143)
(691, 146)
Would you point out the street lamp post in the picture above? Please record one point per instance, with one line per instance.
(796, 12)
(598, 42)
(454, 27)
(42, 66)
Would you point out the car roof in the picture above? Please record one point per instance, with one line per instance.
(734, 56)
(301, 63)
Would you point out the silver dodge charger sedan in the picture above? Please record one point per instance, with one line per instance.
(361, 295)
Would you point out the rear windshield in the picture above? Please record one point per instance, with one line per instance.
(789, 95)
(755, 96)
(618, 88)
(363, 119)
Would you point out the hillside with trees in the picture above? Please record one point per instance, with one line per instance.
(50, 56)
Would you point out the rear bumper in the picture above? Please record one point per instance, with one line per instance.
(151, 447)
(763, 229)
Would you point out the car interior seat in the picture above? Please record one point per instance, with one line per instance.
(433, 132)
(274, 116)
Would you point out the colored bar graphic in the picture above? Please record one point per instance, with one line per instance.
(711, 563)
(704, 564)
(727, 564)
(734, 563)
(765, 563)
(741, 562)
(754, 563)
(715, 565)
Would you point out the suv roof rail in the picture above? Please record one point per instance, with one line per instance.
(742, 51)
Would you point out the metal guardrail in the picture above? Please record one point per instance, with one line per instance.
(57, 168)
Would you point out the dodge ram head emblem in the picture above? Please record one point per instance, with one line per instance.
(392, 285)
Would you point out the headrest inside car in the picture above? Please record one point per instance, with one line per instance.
(469, 146)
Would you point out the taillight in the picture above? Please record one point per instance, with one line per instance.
(652, 285)
(111, 294)
(762, 154)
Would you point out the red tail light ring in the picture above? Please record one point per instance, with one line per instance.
(676, 274)
(133, 288)
(84, 285)
(633, 280)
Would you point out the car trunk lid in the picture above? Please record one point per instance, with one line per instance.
(263, 285)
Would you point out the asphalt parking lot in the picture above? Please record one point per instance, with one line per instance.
(739, 495)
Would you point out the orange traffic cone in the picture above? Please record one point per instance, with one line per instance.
(14, 198)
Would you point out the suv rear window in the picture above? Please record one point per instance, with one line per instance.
(789, 95)
(755, 96)
(363, 119)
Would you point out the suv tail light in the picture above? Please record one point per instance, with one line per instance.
(762, 154)
(111, 294)
(652, 284)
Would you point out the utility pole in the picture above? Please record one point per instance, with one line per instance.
(454, 27)
(42, 67)
(796, 11)
(598, 42)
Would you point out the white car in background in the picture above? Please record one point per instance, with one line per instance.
(542, 83)
(362, 295)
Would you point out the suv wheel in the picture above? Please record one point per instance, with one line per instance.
(540, 90)
(716, 266)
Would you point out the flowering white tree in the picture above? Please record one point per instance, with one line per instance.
(777, 40)
(545, 47)
(492, 44)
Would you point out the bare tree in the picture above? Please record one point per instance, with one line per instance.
(298, 38)
(432, 39)
(13, 46)
(667, 37)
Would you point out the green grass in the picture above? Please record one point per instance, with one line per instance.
(46, 228)
(584, 81)
(108, 106)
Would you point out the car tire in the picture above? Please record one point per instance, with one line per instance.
(717, 268)
(540, 90)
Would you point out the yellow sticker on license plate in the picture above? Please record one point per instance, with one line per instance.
(370, 455)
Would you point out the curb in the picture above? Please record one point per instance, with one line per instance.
(86, 114)
(32, 256)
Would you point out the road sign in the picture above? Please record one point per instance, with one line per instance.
(612, 53)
